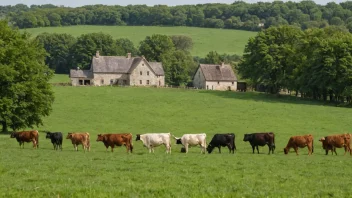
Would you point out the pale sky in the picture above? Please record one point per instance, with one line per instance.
(76, 3)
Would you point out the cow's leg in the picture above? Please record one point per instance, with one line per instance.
(296, 149)
(253, 147)
(112, 148)
(257, 149)
(334, 149)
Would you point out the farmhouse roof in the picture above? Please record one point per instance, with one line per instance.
(77, 73)
(221, 72)
(121, 64)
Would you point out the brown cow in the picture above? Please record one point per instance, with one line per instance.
(80, 138)
(296, 142)
(27, 136)
(116, 139)
(336, 141)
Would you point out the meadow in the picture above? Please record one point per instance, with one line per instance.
(48, 173)
(205, 39)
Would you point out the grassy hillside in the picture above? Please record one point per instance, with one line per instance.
(205, 39)
(47, 173)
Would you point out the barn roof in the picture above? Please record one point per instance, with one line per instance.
(77, 73)
(221, 72)
(121, 64)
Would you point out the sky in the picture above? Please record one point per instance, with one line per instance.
(77, 3)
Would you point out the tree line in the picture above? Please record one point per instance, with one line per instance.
(238, 15)
(65, 52)
(315, 63)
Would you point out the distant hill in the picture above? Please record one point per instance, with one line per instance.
(205, 39)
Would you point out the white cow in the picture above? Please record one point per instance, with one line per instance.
(188, 140)
(151, 140)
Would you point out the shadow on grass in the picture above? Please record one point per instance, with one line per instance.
(270, 98)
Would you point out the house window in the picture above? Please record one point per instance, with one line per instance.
(140, 73)
(140, 82)
(207, 86)
(218, 83)
(142, 64)
(147, 82)
(147, 73)
(111, 81)
(80, 82)
(233, 82)
(102, 81)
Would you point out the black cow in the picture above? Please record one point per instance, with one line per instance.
(242, 86)
(56, 139)
(220, 140)
(261, 139)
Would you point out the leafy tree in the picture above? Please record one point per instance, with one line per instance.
(152, 47)
(87, 45)
(182, 42)
(125, 46)
(213, 58)
(25, 94)
(177, 65)
(58, 47)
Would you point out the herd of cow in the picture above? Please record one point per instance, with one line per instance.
(152, 140)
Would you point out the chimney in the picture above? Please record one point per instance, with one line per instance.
(222, 64)
(97, 54)
(128, 55)
(77, 68)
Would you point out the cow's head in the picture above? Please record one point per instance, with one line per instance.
(183, 150)
(48, 135)
(100, 137)
(138, 137)
(178, 140)
(247, 137)
(322, 139)
(286, 151)
(13, 135)
(69, 136)
(210, 148)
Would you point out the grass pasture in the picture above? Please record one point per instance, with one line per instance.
(47, 173)
(205, 39)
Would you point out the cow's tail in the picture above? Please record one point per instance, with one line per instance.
(312, 145)
(274, 147)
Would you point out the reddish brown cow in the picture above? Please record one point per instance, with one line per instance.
(336, 141)
(80, 138)
(27, 136)
(116, 139)
(302, 141)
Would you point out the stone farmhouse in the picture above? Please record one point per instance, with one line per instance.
(119, 70)
(215, 77)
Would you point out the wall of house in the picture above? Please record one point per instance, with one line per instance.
(199, 80)
(221, 85)
(142, 75)
(103, 79)
(80, 81)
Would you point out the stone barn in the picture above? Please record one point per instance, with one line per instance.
(119, 70)
(215, 77)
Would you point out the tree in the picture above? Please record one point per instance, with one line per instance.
(177, 65)
(152, 47)
(87, 45)
(182, 42)
(125, 46)
(58, 47)
(213, 58)
(25, 94)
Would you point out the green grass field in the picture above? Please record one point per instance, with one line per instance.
(48, 173)
(205, 39)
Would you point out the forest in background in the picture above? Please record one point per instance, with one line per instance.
(238, 15)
